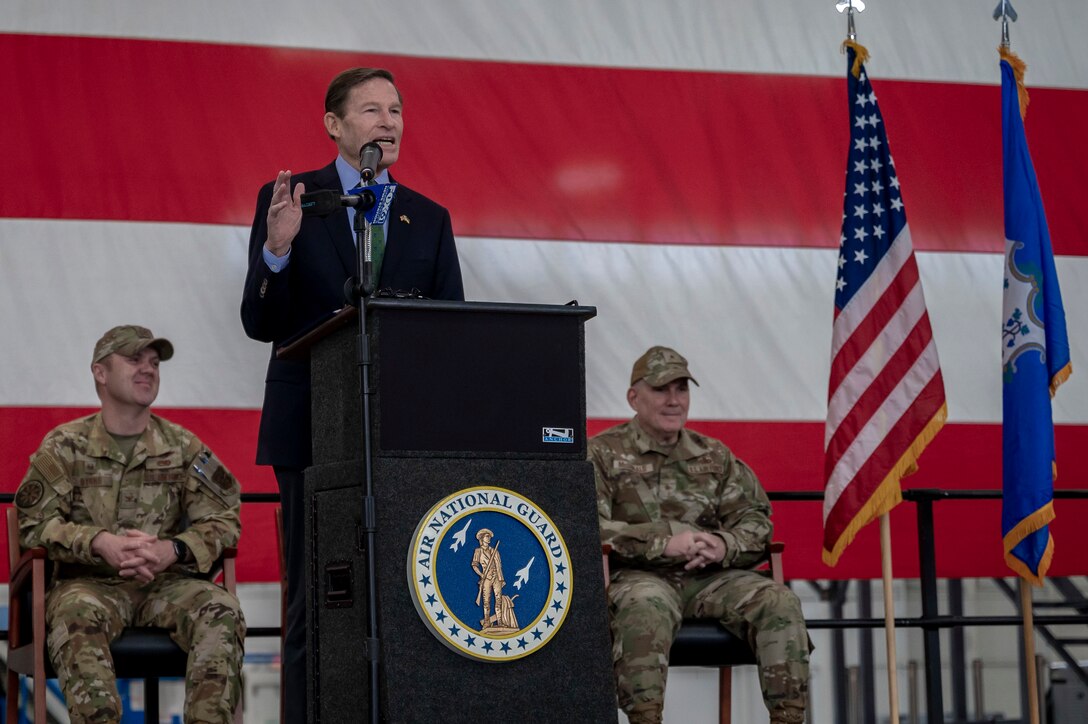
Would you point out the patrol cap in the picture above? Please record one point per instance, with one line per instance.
(660, 366)
(129, 339)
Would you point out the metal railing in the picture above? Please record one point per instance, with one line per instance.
(930, 622)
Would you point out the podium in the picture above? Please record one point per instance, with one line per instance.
(465, 396)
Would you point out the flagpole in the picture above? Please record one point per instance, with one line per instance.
(1028, 615)
(889, 616)
(885, 522)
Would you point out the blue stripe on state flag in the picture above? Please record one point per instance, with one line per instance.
(1035, 353)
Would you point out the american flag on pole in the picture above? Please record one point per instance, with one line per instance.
(886, 394)
(1035, 348)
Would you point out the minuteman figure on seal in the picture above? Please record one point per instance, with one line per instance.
(487, 563)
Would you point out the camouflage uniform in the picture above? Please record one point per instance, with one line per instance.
(79, 485)
(647, 493)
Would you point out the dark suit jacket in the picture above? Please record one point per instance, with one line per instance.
(420, 253)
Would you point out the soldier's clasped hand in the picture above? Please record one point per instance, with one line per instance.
(699, 548)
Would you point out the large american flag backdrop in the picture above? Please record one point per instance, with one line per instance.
(677, 165)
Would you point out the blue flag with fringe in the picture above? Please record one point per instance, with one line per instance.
(1035, 348)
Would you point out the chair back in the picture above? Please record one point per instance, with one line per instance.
(14, 549)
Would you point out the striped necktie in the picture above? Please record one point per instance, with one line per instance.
(377, 244)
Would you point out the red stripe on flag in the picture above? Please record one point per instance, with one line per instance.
(187, 132)
(883, 460)
(959, 448)
(962, 457)
(231, 434)
(869, 402)
(862, 336)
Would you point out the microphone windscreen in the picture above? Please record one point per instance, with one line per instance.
(370, 155)
(320, 203)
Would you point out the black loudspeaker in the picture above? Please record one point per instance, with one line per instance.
(468, 395)
(568, 679)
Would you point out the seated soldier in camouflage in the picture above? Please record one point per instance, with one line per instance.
(131, 508)
(686, 520)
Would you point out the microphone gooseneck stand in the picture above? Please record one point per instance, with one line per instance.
(358, 290)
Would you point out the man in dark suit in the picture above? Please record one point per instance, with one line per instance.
(297, 270)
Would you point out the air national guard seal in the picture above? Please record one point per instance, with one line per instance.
(490, 574)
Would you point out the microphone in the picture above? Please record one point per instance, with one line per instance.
(370, 155)
(323, 203)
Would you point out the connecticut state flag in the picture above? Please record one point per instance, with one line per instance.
(1035, 348)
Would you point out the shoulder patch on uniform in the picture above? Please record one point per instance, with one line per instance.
(30, 494)
(211, 472)
(222, 478)
(48, 466)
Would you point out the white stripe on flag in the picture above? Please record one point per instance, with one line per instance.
(862, 303)
(870, 365)
(897, 403)
(64, 282)
(796, 38)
